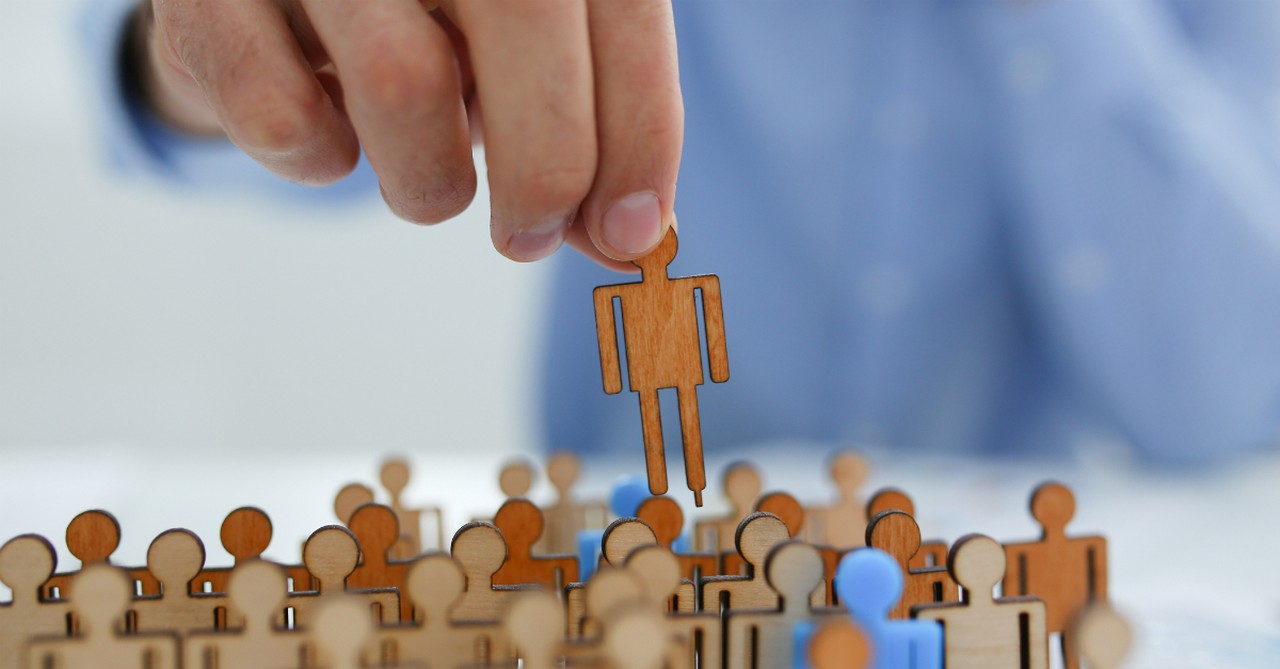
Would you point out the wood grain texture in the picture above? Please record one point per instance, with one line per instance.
(26, 562)
(932, 553)
(256, 591)
(376, 528)
(764, 638)
(481, 550)
(100, 597)
(788, 508)
(982, 631)
(521, 525)
(758, 534)
(663, 350)
(92, 537)
(331, 554)
(896, 533)
(695, 636)
(245, 534)
(1068, 573)
(741, 485)
(665, 517)
(175, 558)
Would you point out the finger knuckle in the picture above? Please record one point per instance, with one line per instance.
(406, 76)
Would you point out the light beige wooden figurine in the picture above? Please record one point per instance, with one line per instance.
(26, 562)
(839, 644)
(535, 623)
(982, 631)
(92, 536)
(1102, 636)
(842, 525)
(932, 553)
(695, 635)
(897, 534)
(351, 497)
(792, 513)
(660, 334)
(100, 595)
(331, 554)
(341, 633)
(637, 639)
(435, 584)
(257, 592)
(1068, 573)
(481, 550)
(623, 536)
(609, 588)
(567, 516)
(521, 525)
(515, 479)
(759, 533)
(742, 486)
(394, 476)
(175, 558)
(765, 638)
(377, 530)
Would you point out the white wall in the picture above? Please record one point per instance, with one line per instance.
(153, 321)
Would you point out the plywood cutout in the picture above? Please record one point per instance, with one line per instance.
(764, 638)
(1068, 573)
(792, 513)
(435, 584)
(92, 536)
(982, 631)
(665, 517)
(896, 533)
(377, 530)
(842, 525)
(694, 636)
(256, 591)
(341, 633)
(638, 639)
(870, 584)
(26, 562)
(741, 484)
(758, 534)
(100, 595)
(481, 550)
(623, 536)
(394, 477)
(331, 554)
(521, 525)
(1102, 636)
(932, 553)
(175, 558)
(567, 516)
(535, 624)
(660, 333)
(349, 498)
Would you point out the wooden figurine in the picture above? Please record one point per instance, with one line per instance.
(341, 633)
(26, 562)
(256, 590)
(435, 584)
(92, 536)
(100, 595)
(637, 639)
(175, 558)
(660, 333)
(870, 583)
(843, 524)
(623, 536)
(764, 638)
(331, 554)
(245, 534)
(395, 478)
(566, 517)
(665, 518)
(983, 631)
(696, 635)
(932, 553)
(1068, 573)
(897, 534)
(742, 486)
(1102, 636)
(376, 529)
(792, 514)
(516, 478)
(521, 525)
(481, 550)
(758, 534)
(535, 624)
(611, 588)
(351, 497)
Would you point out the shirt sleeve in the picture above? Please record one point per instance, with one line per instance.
(1144, 197)
(139, 145)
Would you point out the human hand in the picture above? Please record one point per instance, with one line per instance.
(579, 102)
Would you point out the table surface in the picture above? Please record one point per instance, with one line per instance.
(1192, 557)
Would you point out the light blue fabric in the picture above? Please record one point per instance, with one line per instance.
(948, 225)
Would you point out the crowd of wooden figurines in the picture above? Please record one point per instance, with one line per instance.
(773, 583)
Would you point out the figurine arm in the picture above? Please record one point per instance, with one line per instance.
(610, 367)
(1098, 558)
(713, 313)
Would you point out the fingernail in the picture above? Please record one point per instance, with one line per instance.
(539, 241)
(633, 224)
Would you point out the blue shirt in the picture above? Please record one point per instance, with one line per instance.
(943, 225)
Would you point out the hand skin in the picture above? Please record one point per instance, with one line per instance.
(582, 113)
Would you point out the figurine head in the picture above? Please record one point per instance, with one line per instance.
(660, 257)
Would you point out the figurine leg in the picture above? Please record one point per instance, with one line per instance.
(1070, 659)
(655, 458)
(691, 429)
